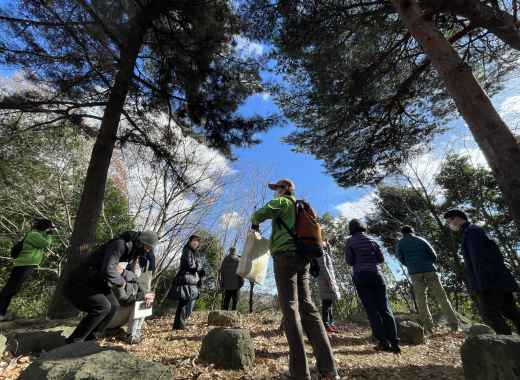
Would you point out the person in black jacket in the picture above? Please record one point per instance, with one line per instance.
(487, 274)
(187, 282)
(230, 281)
(89, 287)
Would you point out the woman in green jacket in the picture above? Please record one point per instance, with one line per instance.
(30, 257)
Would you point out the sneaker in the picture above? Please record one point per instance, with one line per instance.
(334, 328)
(131, 340)
(329, 329)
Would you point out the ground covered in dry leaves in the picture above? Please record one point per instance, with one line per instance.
(438, 359)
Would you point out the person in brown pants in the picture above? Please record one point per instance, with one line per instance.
(291, 272)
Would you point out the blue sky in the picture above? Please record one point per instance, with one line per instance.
(312, 182)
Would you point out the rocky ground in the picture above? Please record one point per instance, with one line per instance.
(439, 358)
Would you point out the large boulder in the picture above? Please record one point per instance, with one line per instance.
(489, 356)
(34, 342)
(224, 318)
(228, 348)
(478, 329)
(81, 361)
(410, 332)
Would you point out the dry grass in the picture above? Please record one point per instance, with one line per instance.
(438, 359)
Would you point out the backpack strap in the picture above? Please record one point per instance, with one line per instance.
(284, 225)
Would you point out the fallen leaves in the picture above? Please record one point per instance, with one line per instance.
(439, 358)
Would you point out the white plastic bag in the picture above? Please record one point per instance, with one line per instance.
(255, 258)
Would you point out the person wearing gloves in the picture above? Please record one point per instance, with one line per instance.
(28, 260)
(230, 281)
(329, 290)
(187, 282)
(90, 287)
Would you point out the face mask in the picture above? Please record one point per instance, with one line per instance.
(454, 228)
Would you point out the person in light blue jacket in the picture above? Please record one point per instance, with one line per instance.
(419, 257)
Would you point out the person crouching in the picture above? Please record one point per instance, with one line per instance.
(90, 287)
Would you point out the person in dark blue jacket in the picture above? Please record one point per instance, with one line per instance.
(419, 257)
(487, 274)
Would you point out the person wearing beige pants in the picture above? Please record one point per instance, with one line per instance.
(424, 283)
(420, 258)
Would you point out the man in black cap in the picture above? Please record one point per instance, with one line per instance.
(89, 288)
(487, 274)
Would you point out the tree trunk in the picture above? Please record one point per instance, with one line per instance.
(84, 233)
(492, 135)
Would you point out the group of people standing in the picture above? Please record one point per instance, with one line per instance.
(486, 275)
(119, 273)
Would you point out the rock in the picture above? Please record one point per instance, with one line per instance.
(76, 350)
(65, 331)
(82, 361)
(410, 332)
(228, 348)
(478, 329)
(3, 344)
(489, 356)
(34, 342)
(224, 318)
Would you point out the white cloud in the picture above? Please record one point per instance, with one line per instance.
(510, 111)
(231, 220)
(359, 208)
(265, 96)
(248, 48)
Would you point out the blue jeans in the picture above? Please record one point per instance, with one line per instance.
(371, 289)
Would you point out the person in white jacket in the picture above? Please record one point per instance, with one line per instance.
(329, 291)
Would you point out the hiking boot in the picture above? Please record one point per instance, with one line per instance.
(334, 328)
(383, 346)
(329, 376)
(329, 329)
(131, 340)
(395, 348)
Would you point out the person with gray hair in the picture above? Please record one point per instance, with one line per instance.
(329, 290)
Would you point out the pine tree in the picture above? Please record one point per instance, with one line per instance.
(107, 61)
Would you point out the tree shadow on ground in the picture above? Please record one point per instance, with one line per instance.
(339, 340)
(265, 354)
(426, 372)
(183, 337)
(354, 352)
(271, 333)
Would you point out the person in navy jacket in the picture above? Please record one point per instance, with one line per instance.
(486, 273)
